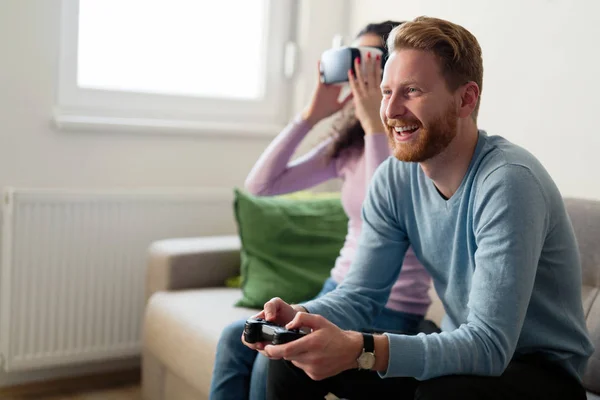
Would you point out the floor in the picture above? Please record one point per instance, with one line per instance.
(131, 392)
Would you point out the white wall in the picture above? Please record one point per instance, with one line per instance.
(540, 86)
(34, 154)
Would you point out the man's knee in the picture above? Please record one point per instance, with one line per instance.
(286, 381)
(282, 371)
(280, 378)
(453, 387)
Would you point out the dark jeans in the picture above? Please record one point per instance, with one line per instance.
(528, 377)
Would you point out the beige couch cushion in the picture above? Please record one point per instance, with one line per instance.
(585, 216)
(182, 329)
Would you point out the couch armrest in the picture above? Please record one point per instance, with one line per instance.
(191, 263)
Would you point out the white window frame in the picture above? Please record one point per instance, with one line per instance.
(83, 109)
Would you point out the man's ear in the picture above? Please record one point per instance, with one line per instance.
(469, 95)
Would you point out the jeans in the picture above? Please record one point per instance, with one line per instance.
(241, 373)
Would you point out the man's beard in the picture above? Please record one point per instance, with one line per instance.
(431, 141)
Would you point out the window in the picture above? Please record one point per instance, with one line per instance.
(176, 64)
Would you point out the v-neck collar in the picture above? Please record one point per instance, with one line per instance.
(448, 204)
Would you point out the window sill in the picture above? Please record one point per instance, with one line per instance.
(89, 123)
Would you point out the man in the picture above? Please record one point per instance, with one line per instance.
(489, 225)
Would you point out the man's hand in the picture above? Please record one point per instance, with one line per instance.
(323, 353)
(276, 311)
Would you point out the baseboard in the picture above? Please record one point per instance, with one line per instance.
(85, 383)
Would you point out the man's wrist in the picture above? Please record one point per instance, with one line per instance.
(382, 353)
(298, 308)
(355, 346)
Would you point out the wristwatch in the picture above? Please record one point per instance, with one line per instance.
(366, 360)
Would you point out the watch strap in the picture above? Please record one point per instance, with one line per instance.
(368, 343)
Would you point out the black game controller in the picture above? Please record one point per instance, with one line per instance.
(259, 330)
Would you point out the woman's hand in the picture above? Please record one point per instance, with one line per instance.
(367, 93)
(325, 102)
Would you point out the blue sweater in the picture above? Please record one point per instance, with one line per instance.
(502, 255)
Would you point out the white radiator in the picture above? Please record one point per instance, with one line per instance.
(73, 267)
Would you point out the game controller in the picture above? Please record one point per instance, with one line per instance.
(336, 62)
(259, 330)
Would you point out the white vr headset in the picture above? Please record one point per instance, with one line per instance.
(336, 62)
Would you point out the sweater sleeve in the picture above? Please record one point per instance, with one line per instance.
(274, 173)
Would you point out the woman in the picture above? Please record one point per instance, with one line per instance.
(353, 153)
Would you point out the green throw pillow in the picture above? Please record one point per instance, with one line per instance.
(289, 244)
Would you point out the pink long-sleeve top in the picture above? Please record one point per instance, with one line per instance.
(275, 174)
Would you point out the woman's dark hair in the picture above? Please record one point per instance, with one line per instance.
(348, 132)
(382, 29)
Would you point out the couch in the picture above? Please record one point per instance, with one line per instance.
(188, 306)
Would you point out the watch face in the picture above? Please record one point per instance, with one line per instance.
(366, 360)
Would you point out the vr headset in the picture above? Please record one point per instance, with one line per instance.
(335, 63)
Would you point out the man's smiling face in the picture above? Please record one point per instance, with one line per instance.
(418, 110)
